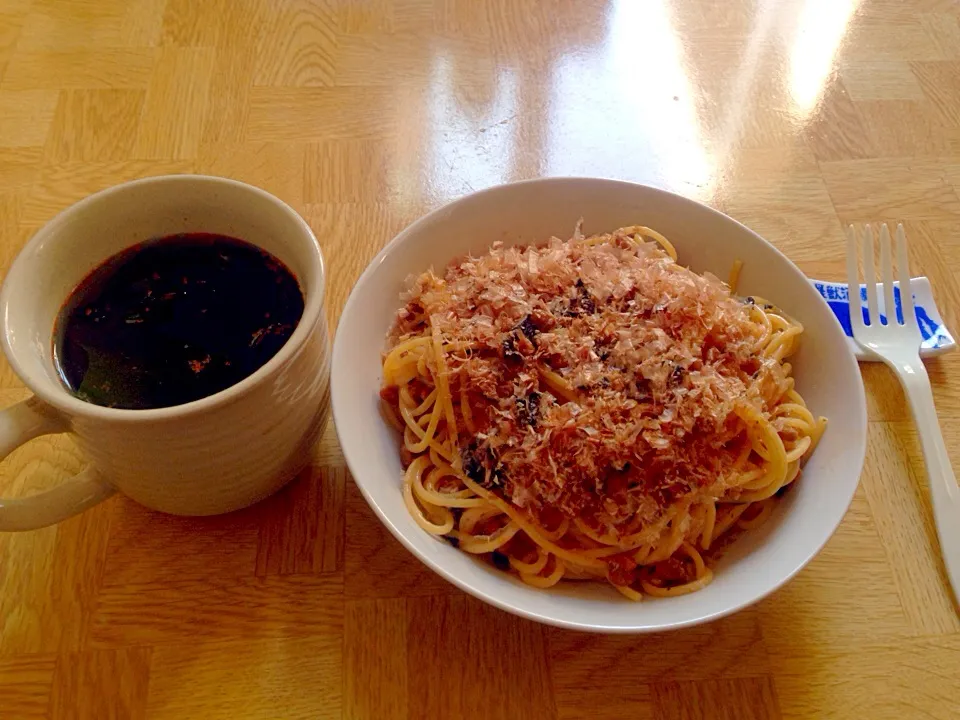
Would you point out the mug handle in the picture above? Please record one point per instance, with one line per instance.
(19, 424)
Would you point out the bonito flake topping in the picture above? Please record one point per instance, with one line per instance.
(601, 377)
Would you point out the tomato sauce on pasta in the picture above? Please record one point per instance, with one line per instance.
(591, 409)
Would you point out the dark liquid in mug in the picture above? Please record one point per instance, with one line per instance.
(174, 320)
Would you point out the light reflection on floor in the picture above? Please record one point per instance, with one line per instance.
(629, 107)
(648, 91)
(820, 31)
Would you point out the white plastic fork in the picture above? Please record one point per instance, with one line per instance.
(898, 345)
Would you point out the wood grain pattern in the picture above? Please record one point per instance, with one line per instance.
(498, 644)
(102, 684)
(375, 646)
(25, 116)
(94, 125)
(741, 699)
(26, 683)
(795, 116)
(292, 677)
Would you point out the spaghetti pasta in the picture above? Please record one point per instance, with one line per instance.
(591, 410)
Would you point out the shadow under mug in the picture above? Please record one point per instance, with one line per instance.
(210, 456)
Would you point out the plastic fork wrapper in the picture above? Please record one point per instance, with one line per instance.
(936, 339)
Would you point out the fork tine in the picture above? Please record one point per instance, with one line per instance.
(903, 267)
(870, 275)
(853, 282)
(886, 271)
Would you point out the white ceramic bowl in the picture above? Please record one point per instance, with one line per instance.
(826, 374)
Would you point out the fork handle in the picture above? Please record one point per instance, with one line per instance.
(944, 491)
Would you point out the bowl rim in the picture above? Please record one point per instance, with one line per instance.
(857, 446)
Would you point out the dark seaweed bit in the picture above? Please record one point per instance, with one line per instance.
(475, 463)
(528, 409)
(582, 304)
(749, 300)
(512, 358)
(640, 388)
(472, 466)
(676, 377)
(585, 300)
(509, 351)
(500, 561)
(452, 540)
(527, 327)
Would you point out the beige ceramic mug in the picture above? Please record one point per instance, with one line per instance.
(213, 455)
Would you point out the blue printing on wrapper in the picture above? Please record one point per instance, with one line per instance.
(935, 336)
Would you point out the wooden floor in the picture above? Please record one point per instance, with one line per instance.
(794, 116)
